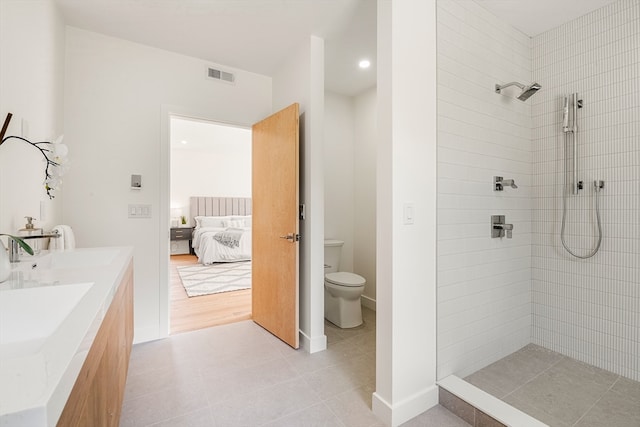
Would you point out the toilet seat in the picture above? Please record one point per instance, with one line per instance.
(344, 278)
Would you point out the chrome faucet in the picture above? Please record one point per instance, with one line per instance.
(499, 183)
(14, 248)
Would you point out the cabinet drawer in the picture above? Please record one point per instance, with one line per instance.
(181, 234)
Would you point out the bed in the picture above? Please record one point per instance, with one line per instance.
(222, 230)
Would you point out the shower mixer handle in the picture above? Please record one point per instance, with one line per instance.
(499, 228)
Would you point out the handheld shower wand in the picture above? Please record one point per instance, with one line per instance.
(576, 185)
(565, 120)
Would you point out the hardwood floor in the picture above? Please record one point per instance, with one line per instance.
(190, 314)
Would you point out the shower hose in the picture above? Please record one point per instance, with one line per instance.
(564, 211)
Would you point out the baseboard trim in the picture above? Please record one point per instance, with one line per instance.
(411, 407)
(313, 345)
(368, 302)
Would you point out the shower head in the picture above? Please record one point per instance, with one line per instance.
(527, 91)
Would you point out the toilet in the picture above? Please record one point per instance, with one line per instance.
(342, 290)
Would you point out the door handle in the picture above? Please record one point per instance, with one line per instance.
(292, 237)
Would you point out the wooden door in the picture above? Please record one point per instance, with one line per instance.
(275, 173)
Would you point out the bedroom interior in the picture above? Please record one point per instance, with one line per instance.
(210, 277)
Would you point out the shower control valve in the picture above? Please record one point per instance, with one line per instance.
(499, 228)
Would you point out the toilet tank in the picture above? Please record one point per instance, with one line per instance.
(332, 250)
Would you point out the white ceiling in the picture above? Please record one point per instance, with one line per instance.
(257, 35)
(344, 50)
(252, 35)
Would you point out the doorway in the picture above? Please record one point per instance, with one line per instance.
(207, 159)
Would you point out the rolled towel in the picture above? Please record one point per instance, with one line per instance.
(69, 238)
(65, 241)
(57, 243)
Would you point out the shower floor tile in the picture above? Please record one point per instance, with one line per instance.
(561, 391)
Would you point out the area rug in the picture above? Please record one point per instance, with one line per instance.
(201, 279)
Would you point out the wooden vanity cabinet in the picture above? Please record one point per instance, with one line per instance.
(96, 397)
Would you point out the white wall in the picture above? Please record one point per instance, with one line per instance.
(483, 283)
(301, 79)
(216, 168)
(364, 198)
(406, 173)
(339, 161)
(117, 95)
(588, 309)
(31, 85)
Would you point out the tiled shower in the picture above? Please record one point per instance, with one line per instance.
(589, 309)
(497, 295)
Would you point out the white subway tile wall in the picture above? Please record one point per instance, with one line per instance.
(589, 309)
(484, 284)
(496, 295)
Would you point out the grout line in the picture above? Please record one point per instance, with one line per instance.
(537, 375)
(295, 412)
(333, 412)
(596, 402)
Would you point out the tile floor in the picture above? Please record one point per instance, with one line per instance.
(561, 391)
(240, 375)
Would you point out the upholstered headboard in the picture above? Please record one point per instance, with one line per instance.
(219, 206)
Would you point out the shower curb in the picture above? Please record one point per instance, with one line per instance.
(479, 408)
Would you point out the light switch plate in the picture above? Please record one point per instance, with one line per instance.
(139, 211)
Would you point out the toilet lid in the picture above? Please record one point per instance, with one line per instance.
(343, 278)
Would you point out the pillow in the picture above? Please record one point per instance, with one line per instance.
(235, 223)
(246, 219)
(211, 221)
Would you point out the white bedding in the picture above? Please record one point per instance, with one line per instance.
(209, 250)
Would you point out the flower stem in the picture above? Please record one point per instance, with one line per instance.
(43, 151)
(4, 127)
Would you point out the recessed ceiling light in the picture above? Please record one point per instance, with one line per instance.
(365, 63)
(183, 141)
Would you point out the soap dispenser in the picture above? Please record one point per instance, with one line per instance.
(30, 230)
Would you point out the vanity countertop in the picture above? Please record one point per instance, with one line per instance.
(50, 311)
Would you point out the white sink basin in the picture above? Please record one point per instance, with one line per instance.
(34, 313)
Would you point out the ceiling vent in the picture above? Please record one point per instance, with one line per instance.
(224, 76)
